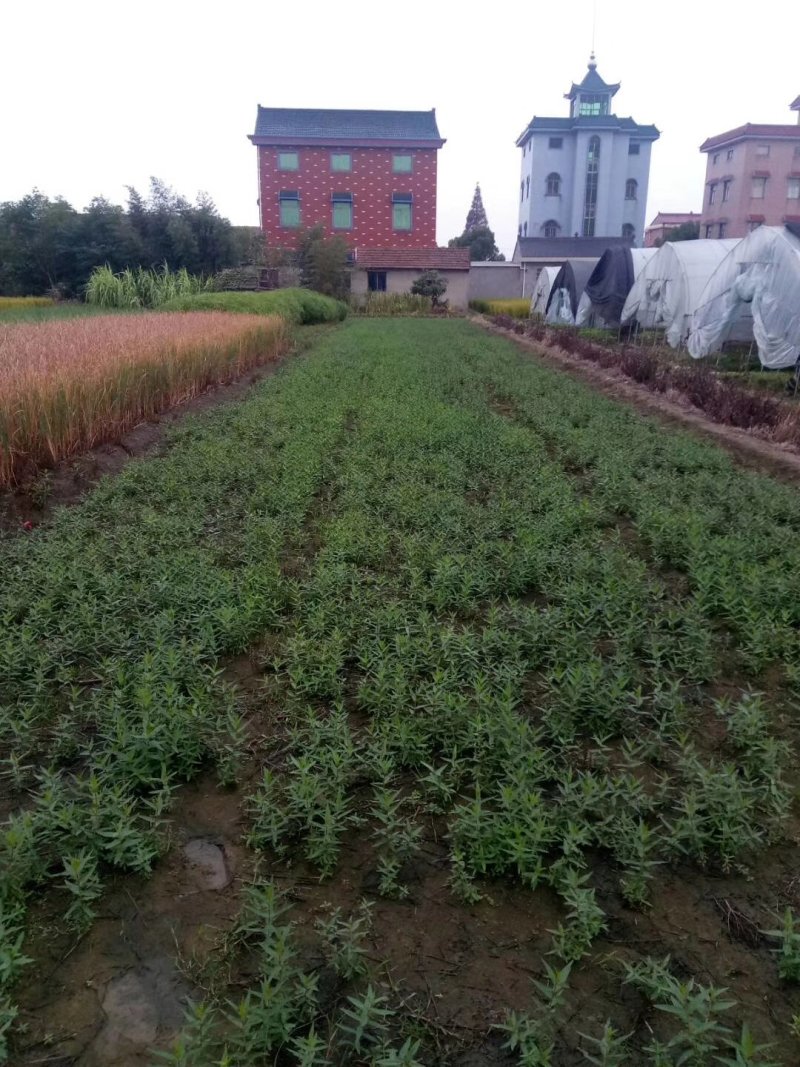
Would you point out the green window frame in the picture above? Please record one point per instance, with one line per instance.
(288, 161)
(289, 209)
(342, 211)
(341, 161)
(402, 211)
(402, 163)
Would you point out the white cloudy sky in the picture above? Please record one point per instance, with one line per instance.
(96, 95)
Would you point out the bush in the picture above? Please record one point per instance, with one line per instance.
(300, 306)
(517, 309)
(430, 284)
(236, 279)
(385, 304)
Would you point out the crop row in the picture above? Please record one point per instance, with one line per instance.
(513, 605)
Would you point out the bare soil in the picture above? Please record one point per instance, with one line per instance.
(120, 991)
(107, 998)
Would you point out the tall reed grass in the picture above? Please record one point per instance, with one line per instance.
(141, 288)
(68, 385)
(23, 303)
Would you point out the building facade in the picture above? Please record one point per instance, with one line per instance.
(393, 270)
(752, 179)
(585, 175)
(664, 223)
(368, 176)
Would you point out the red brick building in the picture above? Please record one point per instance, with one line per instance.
(368, 176)
(664, 223)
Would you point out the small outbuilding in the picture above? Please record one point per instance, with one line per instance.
(394, 270)
(756, 286)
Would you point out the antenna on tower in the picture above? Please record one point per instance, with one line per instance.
(594, 23)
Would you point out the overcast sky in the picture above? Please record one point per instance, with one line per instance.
(98, 95)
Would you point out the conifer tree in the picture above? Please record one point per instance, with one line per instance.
(477, 236)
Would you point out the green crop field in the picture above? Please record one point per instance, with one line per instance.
(423, 707)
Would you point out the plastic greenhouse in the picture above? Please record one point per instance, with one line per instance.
(669, 288)
(758, 282)
(610, 282)
(562, 304)
(541, 291)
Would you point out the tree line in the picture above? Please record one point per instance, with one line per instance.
(47, 246)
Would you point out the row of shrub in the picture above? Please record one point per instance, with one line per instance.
(299, 306)
(721, 399)
(517, 309)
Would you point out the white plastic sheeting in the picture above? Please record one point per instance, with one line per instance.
(669, 288)
(541, 291)
(760, 280)
(590, 315)
(567, 288)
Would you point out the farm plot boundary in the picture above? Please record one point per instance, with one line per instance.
(491, 578)
(752, 450)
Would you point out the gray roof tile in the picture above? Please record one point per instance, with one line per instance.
(542, 124)
(563, 248)
(316, 123)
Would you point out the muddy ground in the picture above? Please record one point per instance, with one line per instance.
(107, 998)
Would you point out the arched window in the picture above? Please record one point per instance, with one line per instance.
(524, 229)
(551, 228)
(628, 231)
(590, 190)
(631, 188)
(553, 185)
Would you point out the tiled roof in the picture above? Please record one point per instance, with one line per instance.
(673, 218)
(412, 258)
(592, 83)
(750, 130)
(320, 123)
(565, 247)
(541, 124)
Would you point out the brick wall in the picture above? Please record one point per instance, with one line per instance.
(742, 209)
(371, 183)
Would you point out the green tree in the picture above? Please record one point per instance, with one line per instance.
(687, 231)
(481, 244)
(323, 263)
(430, 283)
(477, 235)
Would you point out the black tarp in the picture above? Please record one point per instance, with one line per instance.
(609, 284)
(573, 276)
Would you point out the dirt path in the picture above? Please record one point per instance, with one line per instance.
(752, 451)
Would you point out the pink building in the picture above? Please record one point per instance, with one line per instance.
(664, 223)
(752, 178)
